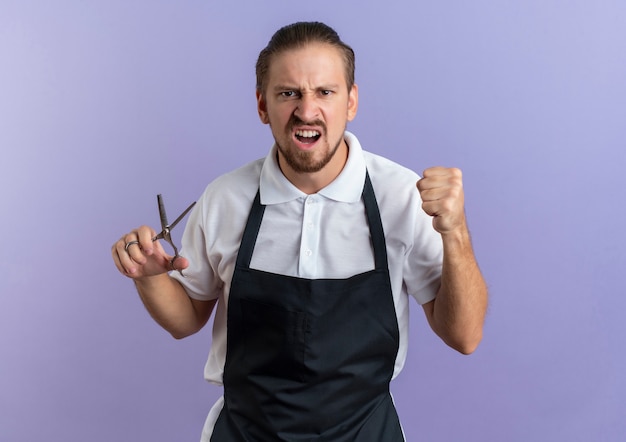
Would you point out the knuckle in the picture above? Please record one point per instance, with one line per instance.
(447, 205)
(455, 192)
(455, 181)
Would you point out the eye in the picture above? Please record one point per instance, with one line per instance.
(288, 94)
(326, 92)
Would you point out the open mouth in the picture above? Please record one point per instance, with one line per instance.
(307, 136)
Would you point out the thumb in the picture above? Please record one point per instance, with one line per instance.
(179, 263)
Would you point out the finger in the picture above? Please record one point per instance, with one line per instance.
(442, 193)
(144, 236)
(439, 170)
(431, 194)
(431, 208)
(116, 258)
(121, 257)
(441, 206)
(432, 182)
(133, 249)
(439, 179)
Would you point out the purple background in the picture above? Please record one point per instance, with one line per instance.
(105, 104)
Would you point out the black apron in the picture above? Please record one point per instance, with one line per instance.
(310, 360)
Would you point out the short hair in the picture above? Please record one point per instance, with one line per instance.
(298, 35)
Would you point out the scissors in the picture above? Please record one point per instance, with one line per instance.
(167, 228)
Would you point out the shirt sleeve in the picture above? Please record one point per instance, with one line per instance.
(213, 232)
(200, 280)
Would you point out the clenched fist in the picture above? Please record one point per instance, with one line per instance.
(441, 190)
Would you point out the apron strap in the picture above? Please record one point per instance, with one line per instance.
(250, 233)
(376, 225)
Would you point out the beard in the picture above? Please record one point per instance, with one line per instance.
(306, 162)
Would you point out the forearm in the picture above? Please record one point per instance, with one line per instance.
(170, 306)
(461, 303)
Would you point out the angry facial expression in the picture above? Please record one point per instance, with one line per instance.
(308, 105)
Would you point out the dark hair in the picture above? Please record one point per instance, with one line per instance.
(298, 35)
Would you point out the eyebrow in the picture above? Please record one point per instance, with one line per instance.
(281, 87)
(284, 87)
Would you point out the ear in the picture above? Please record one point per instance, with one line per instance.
(261, 106)
(353, 102)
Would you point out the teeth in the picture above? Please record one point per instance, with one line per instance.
(307, 133)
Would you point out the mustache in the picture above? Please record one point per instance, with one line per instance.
(295, 121)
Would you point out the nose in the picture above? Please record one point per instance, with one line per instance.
(307, 109)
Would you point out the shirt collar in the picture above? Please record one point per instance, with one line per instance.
(347, 187)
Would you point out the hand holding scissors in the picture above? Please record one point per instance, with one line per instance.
(167, 228)
(149, 257)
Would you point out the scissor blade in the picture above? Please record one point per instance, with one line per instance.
(162, 213)
(161, 235)
(182, 215)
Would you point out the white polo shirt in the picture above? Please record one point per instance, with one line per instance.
(324, 235)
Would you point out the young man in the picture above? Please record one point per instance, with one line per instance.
(311, 255)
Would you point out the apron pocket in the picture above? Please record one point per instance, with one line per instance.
(274, 340)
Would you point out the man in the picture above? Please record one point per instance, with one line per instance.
(310, 255)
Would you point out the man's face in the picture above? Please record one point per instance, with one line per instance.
(308, 105)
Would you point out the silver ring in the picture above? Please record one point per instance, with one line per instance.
(130, 243)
